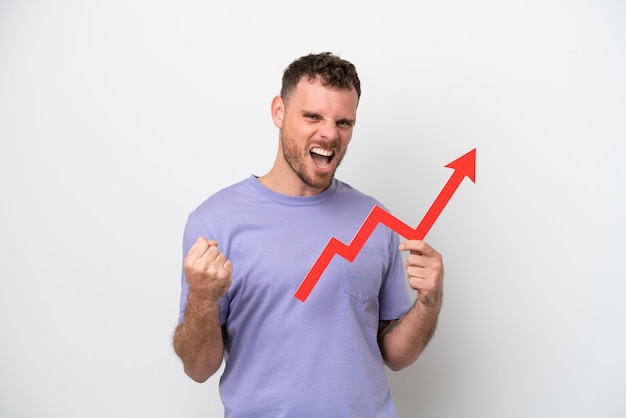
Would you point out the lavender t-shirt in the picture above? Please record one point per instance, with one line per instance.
(284, 357)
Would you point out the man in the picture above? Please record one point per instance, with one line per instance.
(249, 246)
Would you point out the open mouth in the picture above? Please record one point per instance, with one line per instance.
(322, 157)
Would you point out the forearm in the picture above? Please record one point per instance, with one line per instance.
(402, 341)
(199, 341)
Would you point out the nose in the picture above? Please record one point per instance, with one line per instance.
(329, 131)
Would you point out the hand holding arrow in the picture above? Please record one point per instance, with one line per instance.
(464, 166)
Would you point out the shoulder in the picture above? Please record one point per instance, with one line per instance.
(217, 213)
(224, 198)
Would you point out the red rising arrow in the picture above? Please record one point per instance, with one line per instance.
(463, 166)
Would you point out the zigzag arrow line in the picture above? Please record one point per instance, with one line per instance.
(464, 166)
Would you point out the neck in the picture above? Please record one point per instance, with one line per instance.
(288, 184)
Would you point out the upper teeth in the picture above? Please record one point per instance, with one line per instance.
(321, 151)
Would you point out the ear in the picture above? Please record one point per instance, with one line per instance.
(278, 111)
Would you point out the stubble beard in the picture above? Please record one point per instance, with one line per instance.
(296, 161)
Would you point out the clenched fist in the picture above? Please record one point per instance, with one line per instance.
(209, 273)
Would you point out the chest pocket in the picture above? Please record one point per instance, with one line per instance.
(364, 275)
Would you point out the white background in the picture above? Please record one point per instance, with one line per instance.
(118, 117)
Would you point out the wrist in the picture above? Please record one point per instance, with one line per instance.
(428, 303)
(202, 302)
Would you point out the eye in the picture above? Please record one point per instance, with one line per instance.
(345, 123)
(312, 116)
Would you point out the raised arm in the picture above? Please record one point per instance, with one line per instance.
(401, 341)
(199, 339)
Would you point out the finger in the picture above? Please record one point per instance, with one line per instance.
(214, 257)
(422, 285)
(417, 246)
(424, 276)
(221, 268)
(228, 266)
(200, 247)
(416, 271)
(225, 272)
(416, 283)
(219, 259)
(433, 272)
(208, 242)
(422, 261)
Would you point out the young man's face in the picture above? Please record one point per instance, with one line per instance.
(316, 124)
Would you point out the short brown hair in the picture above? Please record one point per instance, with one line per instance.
(331, 70)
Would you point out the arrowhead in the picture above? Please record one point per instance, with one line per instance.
(465, 165)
